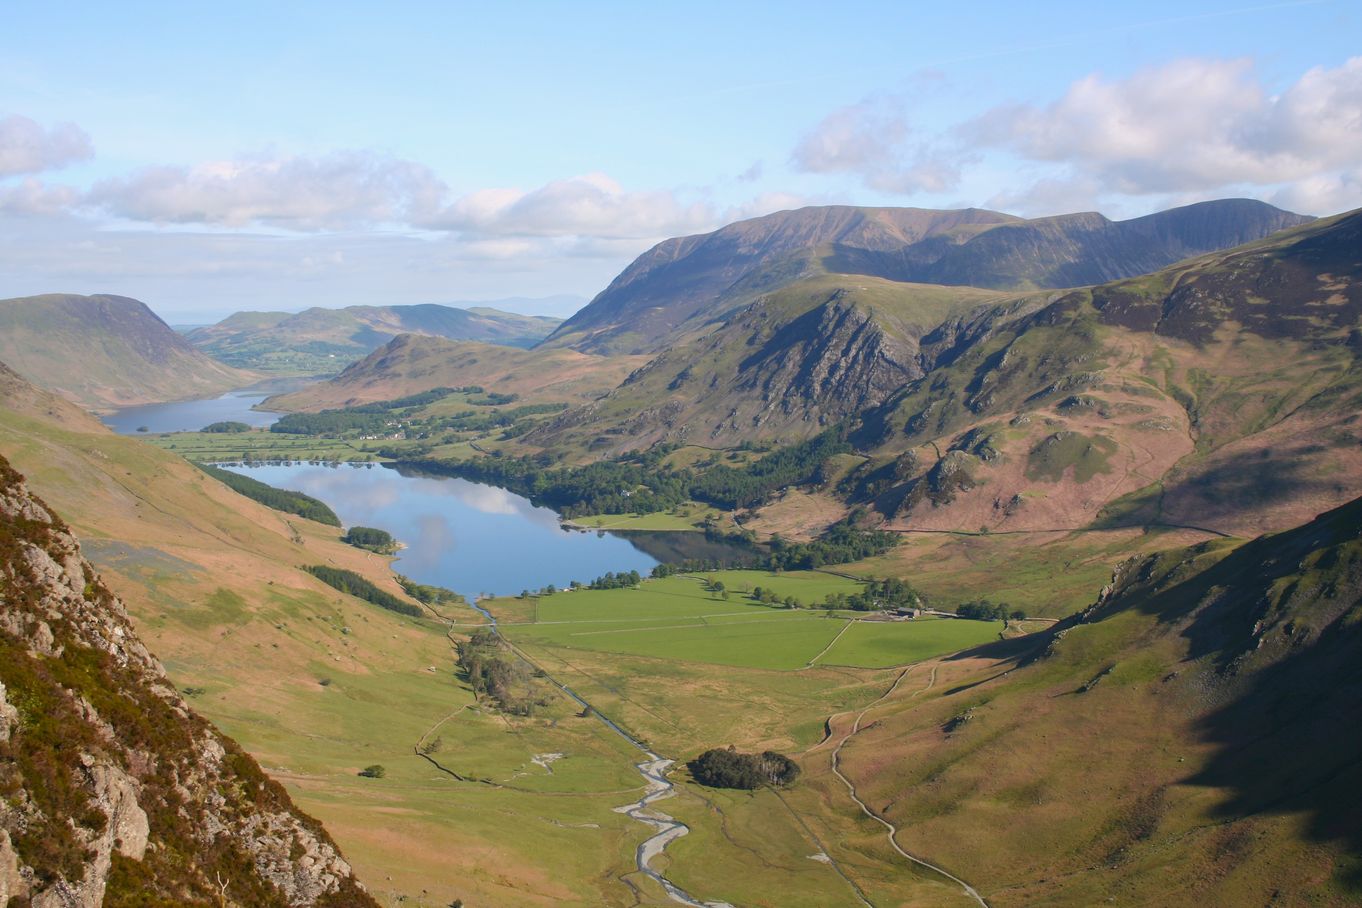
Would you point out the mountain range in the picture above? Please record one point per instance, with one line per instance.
(323, 341)
(682, 285)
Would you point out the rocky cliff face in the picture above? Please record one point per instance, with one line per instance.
(112, 791)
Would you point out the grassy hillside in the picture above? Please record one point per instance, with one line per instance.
(410, 364)
(316, 684)
(106, 351)
(116, 792)
(1184, 741)
(323, 341)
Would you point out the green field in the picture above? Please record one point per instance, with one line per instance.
(881, 644)
(263, 445)
(677, 618)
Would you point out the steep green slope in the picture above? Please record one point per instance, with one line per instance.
(1187, 740)
(673, 291)
(322, 341)
(106, 351)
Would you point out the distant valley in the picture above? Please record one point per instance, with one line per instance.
(322, 341)
(1027, 551)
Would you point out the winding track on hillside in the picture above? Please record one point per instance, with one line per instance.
(892, 830)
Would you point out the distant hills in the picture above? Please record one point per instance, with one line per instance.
(323, 341)
(1219, 392)
(682, 286)
(106, 351)
(411, 363)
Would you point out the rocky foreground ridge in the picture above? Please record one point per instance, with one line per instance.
(112, 790)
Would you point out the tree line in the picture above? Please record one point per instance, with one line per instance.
(353, 584)
(285, 500)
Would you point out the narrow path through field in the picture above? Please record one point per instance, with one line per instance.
(831, 643)
(892, 830)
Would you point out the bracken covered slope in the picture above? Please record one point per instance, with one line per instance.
(114, 792)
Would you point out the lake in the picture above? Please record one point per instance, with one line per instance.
(192, 415)
(474, 538)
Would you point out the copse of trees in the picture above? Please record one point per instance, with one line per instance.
(877, 595)
(231, 427)
(357, 586)
(495, 673)
(371, 538)
(727, 768)
(841, 543)
(984, 610)
(612, 581)
(285, 500)
(430, 595)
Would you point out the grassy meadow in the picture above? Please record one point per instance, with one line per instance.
(681, 618)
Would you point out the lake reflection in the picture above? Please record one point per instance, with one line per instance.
(191, 415)
(468, 537)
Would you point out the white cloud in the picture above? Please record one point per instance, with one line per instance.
(26, 147)
(336, 191)
(31, 196)
(592, 205)
(1193, 125)
(872, 140)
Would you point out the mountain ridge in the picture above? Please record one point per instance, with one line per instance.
(679, 285)
(105, 351)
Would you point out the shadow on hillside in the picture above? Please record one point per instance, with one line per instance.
(1291, 741)
(1276, 626)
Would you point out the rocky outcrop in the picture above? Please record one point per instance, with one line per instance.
(115, 792)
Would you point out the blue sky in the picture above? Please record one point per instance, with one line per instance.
(213, 159)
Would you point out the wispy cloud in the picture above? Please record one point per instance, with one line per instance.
(336, 191)
(872, 140)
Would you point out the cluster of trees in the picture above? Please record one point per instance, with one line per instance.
(877, 595)
(279, 499)
(332, 422)
(389, 416)
(375, 540)
(612, 581)
(357, 586)
(640, 483)
(235, 428)
(494, 672)
(984, 610)
(841, 543)
(768, 596)
(430, 595)
(727, 768)
(750, 485)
